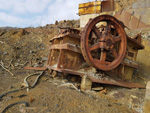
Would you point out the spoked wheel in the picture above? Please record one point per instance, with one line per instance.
(103, 42)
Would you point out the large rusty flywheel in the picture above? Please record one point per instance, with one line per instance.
(103, 42)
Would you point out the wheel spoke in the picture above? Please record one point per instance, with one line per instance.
(103, 55)
(97, 32)
(96, 61)
(91, 38)
(114, 53)
(117, 39)
(94, 47)
(102, 58)
(108, 28)
(107, 63)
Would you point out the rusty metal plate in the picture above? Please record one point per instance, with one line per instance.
(118, 83)
(90, 8)
(135, 43)
(35, 68)
(66, 46)
(108, 5)
(65, 52)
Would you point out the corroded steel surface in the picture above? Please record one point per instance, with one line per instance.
(35, 68)
(65, 52)
(136, 42)
(65, 30)
(118, 83)
(66, 56)
(108, 5)
(90, 7)
(103, 46)
(66, 46)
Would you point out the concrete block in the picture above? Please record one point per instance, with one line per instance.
(86, 83)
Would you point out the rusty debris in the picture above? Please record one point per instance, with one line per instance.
(35, 68)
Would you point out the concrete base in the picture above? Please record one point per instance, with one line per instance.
(86, 83)
(84, 19)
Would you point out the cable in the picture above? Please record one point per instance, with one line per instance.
(9, 106)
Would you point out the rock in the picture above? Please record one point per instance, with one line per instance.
(11, 87)
(57, 105)
(5, 53)
(10, 97)
(35, 65)
(41, 47)
(56, 22)
(33, 51)
(44, 58)
(118, 95)
(97, 88)
(16, 64)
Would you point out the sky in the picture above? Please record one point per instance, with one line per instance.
(34, 13)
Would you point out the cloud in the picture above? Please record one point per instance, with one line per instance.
(64, 9)
(10, 19)
(24, 13)
(24, 6)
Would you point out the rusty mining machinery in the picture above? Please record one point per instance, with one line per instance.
(101, 53)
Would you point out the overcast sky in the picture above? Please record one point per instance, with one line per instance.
(25, 13)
